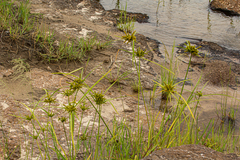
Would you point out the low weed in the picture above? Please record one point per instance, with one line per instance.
(87, 44)
(16, 21)
(20, 66)
(19, 69)
(134, 86)
(102, 45)
(69, 49)
(125, 23)
(228, 113)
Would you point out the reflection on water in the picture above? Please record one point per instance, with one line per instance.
(174, 19)
(209, 23)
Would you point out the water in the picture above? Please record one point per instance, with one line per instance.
(183, 18)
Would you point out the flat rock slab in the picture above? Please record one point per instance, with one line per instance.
(192, 151)
(229, 7)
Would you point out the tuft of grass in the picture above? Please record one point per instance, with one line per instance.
(16, 21)
(232, 116)
(125, 24)
(227, 113)
(134, 86)
(102, 45)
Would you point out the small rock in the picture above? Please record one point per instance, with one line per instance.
(4, 105)
(128, 110)
(49, 68)
(190, 69)
(106, 61)
(6, 73)
(233, 87)
(187, 82)
(238, 79)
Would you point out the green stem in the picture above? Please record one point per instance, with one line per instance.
(99, 114)
(183, 84)
(64, 129)
(98, 134)
(186, 75)
(72, 131)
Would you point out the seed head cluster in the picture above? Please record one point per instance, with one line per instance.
(192, 49)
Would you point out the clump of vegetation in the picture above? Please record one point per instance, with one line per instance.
(17, 23)
(232, 116)
(227, 113)
(67, 49)
(134, 86)
(125, 23)
(219, 73)
(19, 68)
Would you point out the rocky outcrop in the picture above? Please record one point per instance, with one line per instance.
(213, 51)
(139, 17)
(229, 7)
(192, 151)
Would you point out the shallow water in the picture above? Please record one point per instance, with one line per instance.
(183, 18)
